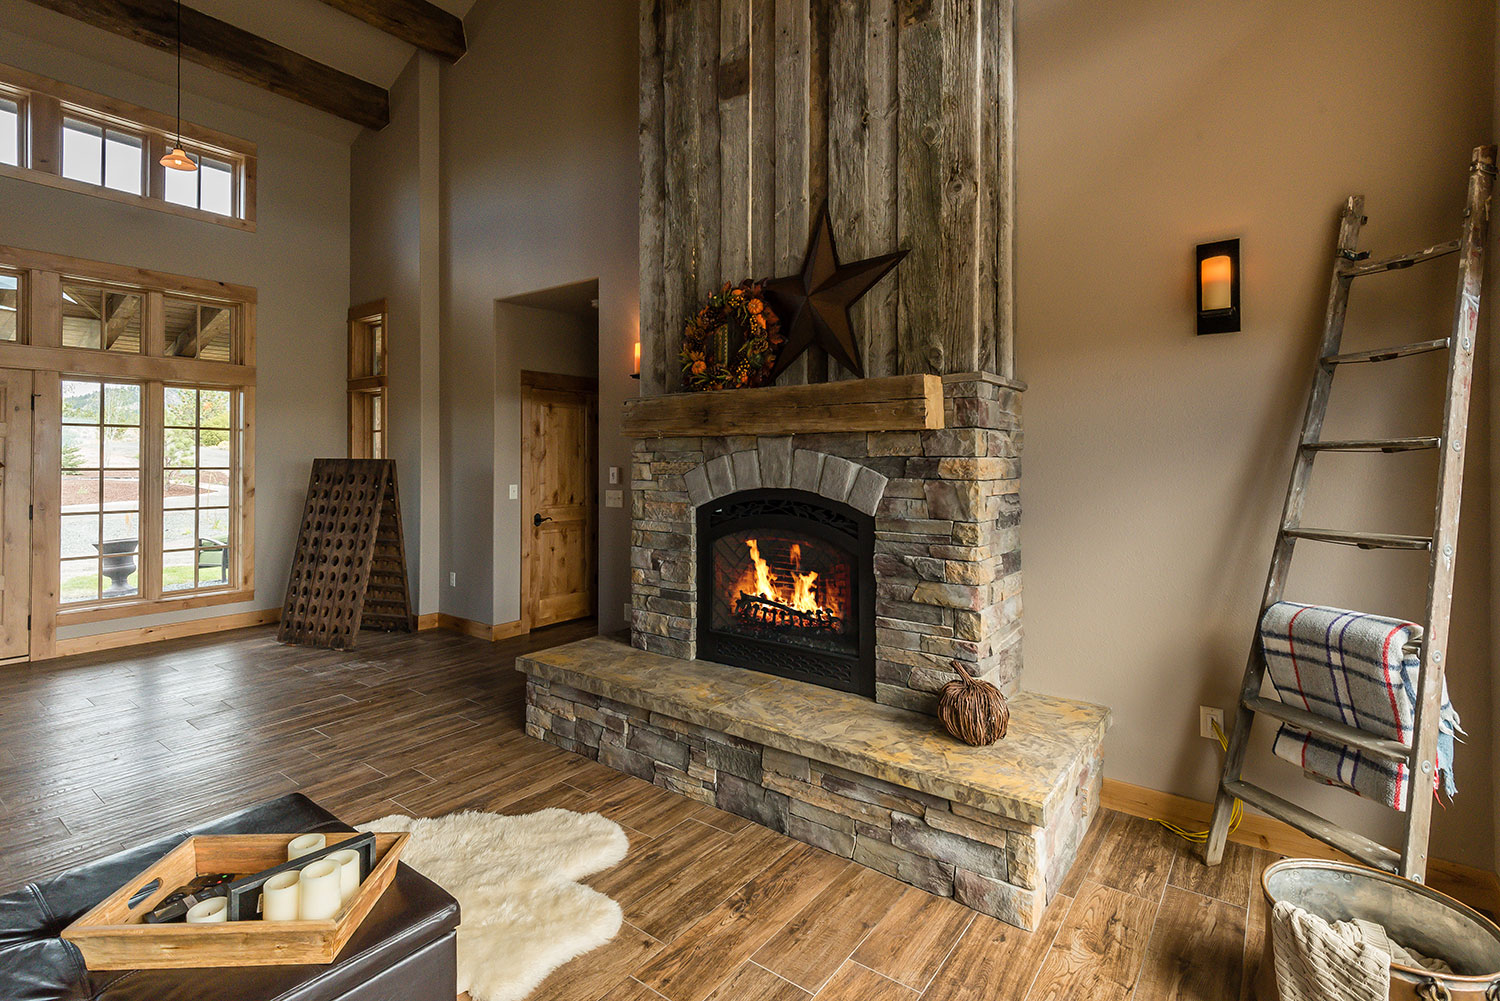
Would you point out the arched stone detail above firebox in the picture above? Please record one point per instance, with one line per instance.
(774, 463)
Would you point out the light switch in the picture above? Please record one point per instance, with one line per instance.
(614, 498)
(614, 475)
(515, 491)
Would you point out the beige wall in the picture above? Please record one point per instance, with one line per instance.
(393, 256)
(298, 258)
(1156, 461)
(539, 190)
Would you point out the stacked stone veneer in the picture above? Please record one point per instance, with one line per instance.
(1008, 867)
(947, 546)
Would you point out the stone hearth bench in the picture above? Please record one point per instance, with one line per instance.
(995, 827)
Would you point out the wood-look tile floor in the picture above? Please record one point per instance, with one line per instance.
(107, 750)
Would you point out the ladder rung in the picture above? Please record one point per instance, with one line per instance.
(1386, 354)
(1361, 268)
(1374, 444)
(1364, 540)
(1369, 852)
(1340, 733)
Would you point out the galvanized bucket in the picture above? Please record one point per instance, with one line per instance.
(1417, 917)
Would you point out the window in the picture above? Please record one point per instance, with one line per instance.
(101, 491)
(97, 154)
(367, 382)
(199, 330)
(197, 495)
(210, 187)
(63, 136)
(10, 131)
(101, 318)
(10, 305)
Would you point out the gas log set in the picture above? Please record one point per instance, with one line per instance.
(765, 605)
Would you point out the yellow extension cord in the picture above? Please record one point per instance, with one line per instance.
(1235, 815)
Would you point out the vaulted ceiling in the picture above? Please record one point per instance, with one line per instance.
(339, 56)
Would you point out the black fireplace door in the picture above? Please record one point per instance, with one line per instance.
(786, 585)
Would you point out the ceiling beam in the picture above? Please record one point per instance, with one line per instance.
(423, 24)
(235, 52)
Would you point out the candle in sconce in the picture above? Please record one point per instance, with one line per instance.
(637, 357)
(318, 890)
(300, 846)
(280, 896)
(209, 911)
(348, 863)
(1216, 276)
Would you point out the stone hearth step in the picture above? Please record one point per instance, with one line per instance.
(997, 827)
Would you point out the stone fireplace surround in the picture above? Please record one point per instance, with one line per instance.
(947, 546)
(879, 782)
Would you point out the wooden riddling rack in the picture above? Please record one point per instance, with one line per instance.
(349, 569)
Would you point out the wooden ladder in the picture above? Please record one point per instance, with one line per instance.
(1420, 758)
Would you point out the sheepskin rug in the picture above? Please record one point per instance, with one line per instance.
(524, 914)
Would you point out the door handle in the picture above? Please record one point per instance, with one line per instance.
(537, 519)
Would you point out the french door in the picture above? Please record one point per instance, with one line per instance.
(15, 513)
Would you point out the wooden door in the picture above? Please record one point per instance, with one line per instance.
(15, 513)
(559, 421)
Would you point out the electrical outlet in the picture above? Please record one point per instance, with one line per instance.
(614, 475)
(614, 498)
(452, 579)
(515, 491)
(1207, 717)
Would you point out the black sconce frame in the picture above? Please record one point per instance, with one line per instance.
(1219, 321)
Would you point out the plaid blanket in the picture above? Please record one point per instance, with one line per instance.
(1353, 668)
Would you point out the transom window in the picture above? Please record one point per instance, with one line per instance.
(63, 136)
(101, 490)
(197, 329)
(94, 153)
(10, 305)
(210, 187)
(102, 318)
(10, 131)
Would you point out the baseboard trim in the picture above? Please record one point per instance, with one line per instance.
(1479, 888)
(165, 631)
(479, 630)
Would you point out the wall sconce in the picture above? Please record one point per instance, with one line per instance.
(637, 373)
(1219, 287)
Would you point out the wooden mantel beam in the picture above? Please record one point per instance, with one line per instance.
(235, 52)
(423, 24)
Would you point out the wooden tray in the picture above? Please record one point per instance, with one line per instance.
(114, 936)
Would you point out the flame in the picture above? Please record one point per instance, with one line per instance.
(803, 595)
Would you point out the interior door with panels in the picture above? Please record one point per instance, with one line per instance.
(559, 420)
(15, 513)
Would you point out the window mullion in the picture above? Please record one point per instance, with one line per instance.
(153, 421)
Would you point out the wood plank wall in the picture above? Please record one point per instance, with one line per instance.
(900, 112)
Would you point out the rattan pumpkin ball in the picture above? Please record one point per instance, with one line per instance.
(973, 711)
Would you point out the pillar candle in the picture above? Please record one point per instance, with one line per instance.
(300, 846)
(1217, 276)
(319, 891)
(279, 897)
(209, 911)
(348, 863)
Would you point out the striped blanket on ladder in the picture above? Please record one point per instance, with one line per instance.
(1353, 668)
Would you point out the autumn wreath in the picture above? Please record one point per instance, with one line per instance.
(731, 342)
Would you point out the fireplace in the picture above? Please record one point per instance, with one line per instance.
(788, 586)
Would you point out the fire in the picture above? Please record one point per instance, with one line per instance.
(803, 594)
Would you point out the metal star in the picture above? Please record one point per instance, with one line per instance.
(813, 306)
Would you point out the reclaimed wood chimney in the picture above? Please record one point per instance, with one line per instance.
(899, 112)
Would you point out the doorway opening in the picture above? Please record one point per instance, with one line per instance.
(556, 333)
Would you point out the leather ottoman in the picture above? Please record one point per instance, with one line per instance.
(405, 949)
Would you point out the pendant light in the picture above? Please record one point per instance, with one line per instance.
(177, 159)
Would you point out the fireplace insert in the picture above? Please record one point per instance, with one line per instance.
(786, 585)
